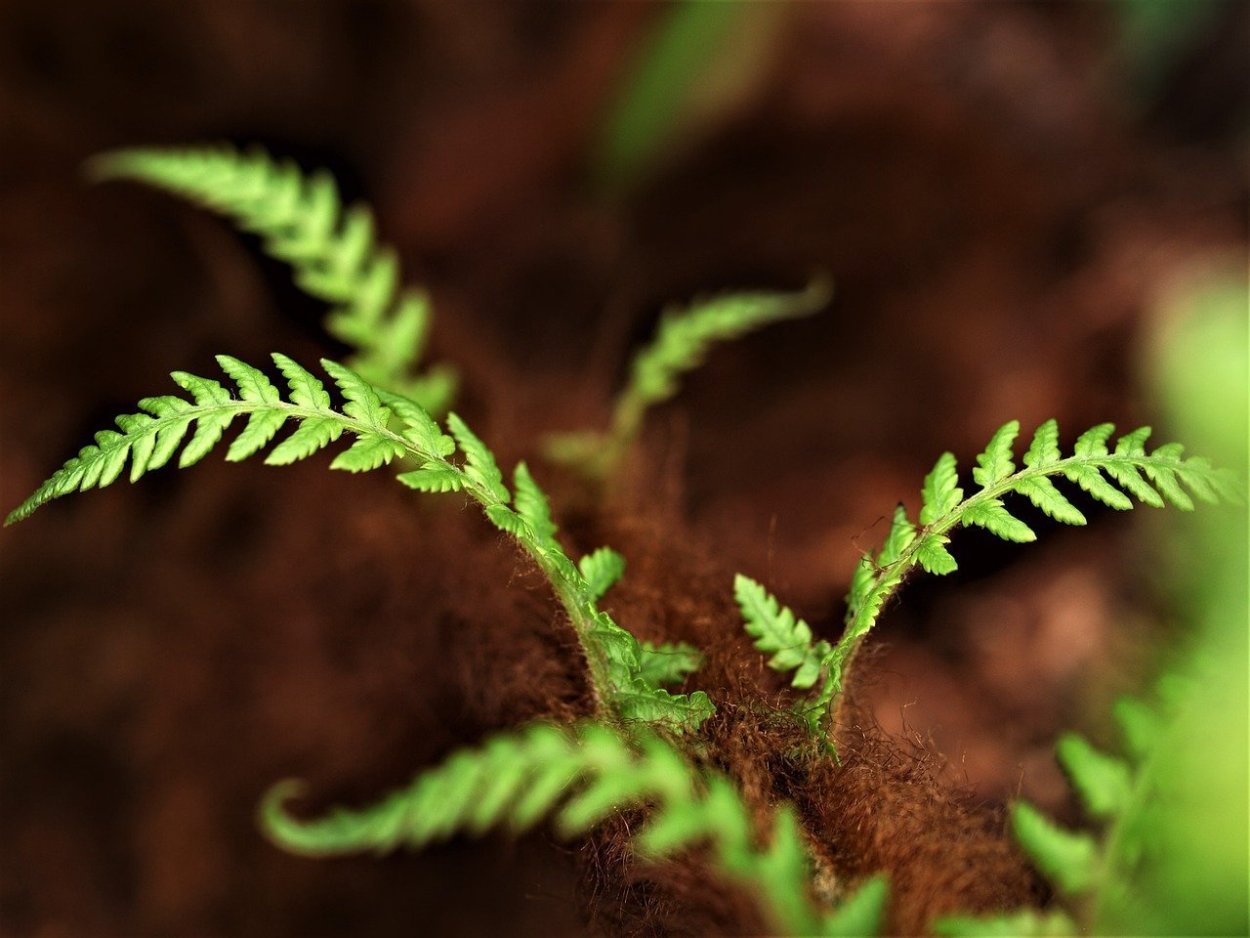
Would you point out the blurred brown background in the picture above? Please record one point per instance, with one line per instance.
(999, 189)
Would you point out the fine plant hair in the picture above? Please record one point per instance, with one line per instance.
(332, 249)
(642, 746)
(682, 340)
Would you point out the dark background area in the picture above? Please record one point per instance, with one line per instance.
(1000, 191)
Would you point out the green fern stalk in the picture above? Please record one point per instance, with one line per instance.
(583, 775)
(681, 342)
(387, 426)
(301, 220)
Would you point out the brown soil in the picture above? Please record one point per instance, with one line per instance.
(997, 220)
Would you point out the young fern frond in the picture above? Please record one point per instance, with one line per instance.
(333, 249)
(1150, 477)
(682, 340)
(581, 776)
(385, 426)
(778, 632)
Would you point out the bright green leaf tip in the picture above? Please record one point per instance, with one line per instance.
(331, 248)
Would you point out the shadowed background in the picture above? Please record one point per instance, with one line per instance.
(1002, 192)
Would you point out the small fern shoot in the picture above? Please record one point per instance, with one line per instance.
(778, 632)
(582, 775)
(682, 340)
(333, 249)
(385, 427)
(1155, 477)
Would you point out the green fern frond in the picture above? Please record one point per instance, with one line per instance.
(862, 913)
(682, 340)
(1091, 872)
(580, 776)
(532, 505)
(385, 427)
(1025, 924)
(333, 249)
(668, 663)
(1069, 859)
(1139, 726)
(1150, 477)
(479, 461)
(778, 632)
(151, 437)
(1103, 782)
(601, 570)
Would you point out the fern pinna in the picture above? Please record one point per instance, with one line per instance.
(583, 774)
(1150, 477)
(387, 426)
(333, 249)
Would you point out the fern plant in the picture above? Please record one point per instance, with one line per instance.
(640, 747)
(1150, 477)
(332, 249)
(622, 671)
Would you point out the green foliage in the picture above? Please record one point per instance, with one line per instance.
(668, 663)
(1171, 856)
(1103, 782)
(1155, 477)
(386, 427)
(601, 569)
(1068, 858)
(1024, 924)
(1081, 865)
(582, 775)
(626, 758)
(151, 437)
(333, 249)
(696, 63)
(682, 340)
(779, 633)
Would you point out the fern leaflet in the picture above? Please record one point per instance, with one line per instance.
(668, 663)
(333, 250)
(1104, 877)
(601, 569)
(582, 776)
(779, 633)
